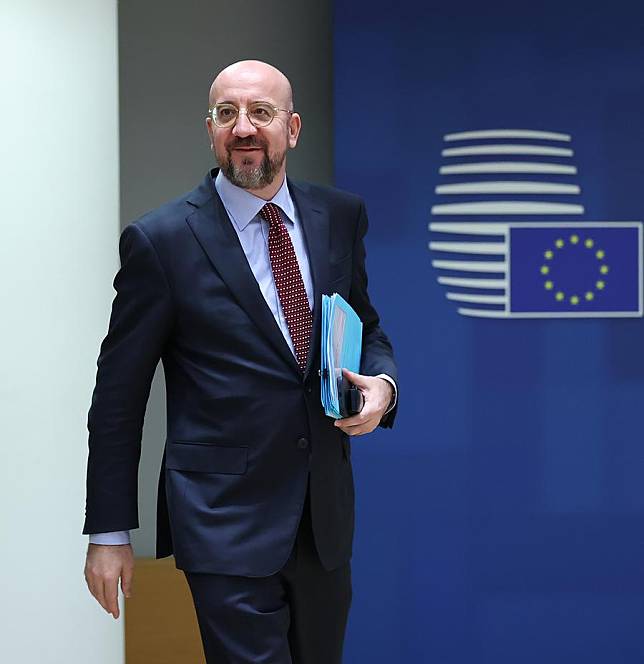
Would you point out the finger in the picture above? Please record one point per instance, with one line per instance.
(360, 428)
(349, 424)
(368, 412)
(355, 378)
(357, 431)
(349, 421)
(98, 590)
(93, 588)
(111, 596)
(126, 581)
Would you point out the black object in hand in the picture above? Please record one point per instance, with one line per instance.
(350, 398)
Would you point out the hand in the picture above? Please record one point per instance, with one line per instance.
(103, 567)
(377, 394)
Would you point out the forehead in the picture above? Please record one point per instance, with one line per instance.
(248, 86)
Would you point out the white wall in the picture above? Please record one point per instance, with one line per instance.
(58, 241)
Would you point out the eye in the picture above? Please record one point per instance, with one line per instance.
(261, 112)
(225, 114)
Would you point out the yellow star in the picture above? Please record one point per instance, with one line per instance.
(589, 295)
(559, 243)
(548, 254)
(574, 239)
(559, 296)
(604, 269)
(545, 269)
(600, 254)
(589, 243)
(600, 285)
(574, 300)
(548, 285)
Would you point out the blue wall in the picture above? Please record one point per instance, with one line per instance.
(503, 518)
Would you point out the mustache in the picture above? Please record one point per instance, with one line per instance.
(246, 142)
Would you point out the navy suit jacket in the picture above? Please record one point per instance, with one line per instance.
(245, 428)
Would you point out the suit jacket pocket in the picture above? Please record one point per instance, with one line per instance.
(207, 457)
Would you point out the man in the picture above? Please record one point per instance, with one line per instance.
(224, 285)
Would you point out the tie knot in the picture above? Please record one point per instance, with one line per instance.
(271, 213)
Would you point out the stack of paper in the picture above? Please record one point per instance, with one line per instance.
(341, 348)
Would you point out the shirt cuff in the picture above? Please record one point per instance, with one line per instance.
(117, 537)
(394, 398)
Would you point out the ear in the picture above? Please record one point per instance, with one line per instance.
(294, 128)
(210, 127)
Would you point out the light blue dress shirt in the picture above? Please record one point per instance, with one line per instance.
(252, 229)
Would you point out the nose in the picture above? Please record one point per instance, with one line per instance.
(243, 126)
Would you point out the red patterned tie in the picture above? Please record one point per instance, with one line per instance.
(288, 280)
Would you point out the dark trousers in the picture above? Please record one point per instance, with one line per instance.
(296, 616)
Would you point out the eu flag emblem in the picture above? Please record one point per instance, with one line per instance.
(575, 269)
(498, 263)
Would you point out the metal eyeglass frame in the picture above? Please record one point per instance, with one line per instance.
(212, 114)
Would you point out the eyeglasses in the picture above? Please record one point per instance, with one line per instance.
(259, 114)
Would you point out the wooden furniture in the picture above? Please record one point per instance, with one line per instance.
(160, 622)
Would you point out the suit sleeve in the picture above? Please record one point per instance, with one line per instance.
(377, 353)
(139, 326)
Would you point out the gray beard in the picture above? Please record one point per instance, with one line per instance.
(253, 178)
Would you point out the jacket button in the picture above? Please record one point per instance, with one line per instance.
(302, 443)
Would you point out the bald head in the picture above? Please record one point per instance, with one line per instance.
(252, 75)
(251, 149)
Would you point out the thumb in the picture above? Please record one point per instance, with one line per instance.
(356, 378)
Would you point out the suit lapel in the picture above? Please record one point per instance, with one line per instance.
(314, 217)
(214, 231)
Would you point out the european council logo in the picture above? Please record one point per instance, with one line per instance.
(497, 266)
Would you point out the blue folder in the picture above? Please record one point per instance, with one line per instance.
(341, 348)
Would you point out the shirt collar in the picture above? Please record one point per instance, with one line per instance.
(243, 207)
